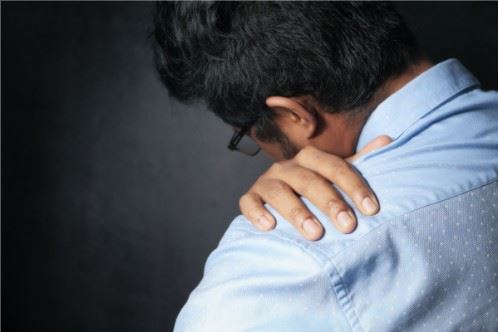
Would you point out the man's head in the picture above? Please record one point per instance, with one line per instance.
(297, 73)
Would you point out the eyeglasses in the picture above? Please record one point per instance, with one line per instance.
(243, 143)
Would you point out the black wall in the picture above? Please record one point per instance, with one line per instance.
(113, 195)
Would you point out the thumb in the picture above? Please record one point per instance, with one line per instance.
(374, 144)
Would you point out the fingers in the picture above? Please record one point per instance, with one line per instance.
(342, 174)
(283, 199)
(252, 207)
(322, 194)
(310, 174)
(374, 144)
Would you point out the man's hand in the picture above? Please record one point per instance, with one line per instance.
(310, 174)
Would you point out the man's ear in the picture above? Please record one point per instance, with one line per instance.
(295, 120)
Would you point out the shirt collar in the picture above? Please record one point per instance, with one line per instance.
(417, 98)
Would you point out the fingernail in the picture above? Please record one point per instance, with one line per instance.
(369, 206)
(265, 222)
(345, 220)
(311, 227)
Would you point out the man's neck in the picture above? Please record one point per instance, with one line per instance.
(387, 89)
(340, 131)
(396, 83)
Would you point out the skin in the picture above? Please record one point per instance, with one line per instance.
(321, 146)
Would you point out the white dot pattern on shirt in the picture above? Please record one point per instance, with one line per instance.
(450, 255)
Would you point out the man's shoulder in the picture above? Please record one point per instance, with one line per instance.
(284, 239)
(451, 150)
(261, 280)
(437, 261)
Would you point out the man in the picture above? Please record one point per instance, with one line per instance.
(312, 83)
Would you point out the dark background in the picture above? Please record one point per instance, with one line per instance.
(113, 195)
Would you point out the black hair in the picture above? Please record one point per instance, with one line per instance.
(233, 55)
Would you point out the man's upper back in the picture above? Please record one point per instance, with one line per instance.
(427, 261)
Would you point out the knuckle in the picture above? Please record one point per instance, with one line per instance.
(296, 213)
(304, 175)
(243, 200)
(276, 167)
(275, 189)
(361, 189)
(259, 181)
(305, 153)
(261, 178)
(339, 168)
(245, 203)
(335, 205)
(248, 207)
(306, 181)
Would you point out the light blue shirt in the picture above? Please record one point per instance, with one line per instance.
(427, 262)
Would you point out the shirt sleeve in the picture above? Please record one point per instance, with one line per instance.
(258, 281)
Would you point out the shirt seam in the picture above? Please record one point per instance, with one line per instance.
(326, 266)
(341, 291)
(387, 221)
(386, 224)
